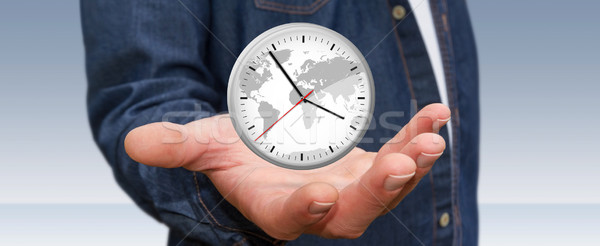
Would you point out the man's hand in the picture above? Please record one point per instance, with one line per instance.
(336, 201)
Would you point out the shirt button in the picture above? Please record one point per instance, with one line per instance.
(398, 12)
(444, 220)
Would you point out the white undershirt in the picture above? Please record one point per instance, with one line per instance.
(422, 12)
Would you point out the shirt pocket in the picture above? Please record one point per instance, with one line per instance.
(298, 7)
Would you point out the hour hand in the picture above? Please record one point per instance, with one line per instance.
(327, 110)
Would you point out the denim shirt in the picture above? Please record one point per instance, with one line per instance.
(155, 60)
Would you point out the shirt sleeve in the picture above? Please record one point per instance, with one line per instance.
(145, 63)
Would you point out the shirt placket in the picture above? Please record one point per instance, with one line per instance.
(422, 81)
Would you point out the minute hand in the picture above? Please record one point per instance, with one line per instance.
(286, 75)
(319, 106)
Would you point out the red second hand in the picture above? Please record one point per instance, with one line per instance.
(284, 114)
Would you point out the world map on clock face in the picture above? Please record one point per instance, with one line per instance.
(326, 73)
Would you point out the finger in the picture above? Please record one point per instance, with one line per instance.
(430, 119)
(364, 200)
(288, 218)
(425, 149)
(165, 144)
(158, 144)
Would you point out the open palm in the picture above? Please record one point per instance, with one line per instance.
(336, 201)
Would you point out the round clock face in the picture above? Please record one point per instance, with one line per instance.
(301, 96)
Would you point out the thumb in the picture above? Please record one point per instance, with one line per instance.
(170, 145)
(289, 217)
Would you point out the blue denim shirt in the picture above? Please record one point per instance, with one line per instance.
(151, 58)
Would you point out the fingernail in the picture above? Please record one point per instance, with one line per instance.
(394, 182)
(320, 207)
(445, 120)
(424, 159)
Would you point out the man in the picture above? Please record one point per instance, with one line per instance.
(159, 60)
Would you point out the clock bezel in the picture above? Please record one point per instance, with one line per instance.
(240, 63)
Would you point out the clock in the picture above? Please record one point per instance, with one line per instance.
(300, 96)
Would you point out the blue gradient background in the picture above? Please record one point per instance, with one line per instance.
(539, 172)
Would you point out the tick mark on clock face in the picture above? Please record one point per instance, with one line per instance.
(277, 68)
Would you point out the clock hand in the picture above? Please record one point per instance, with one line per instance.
(285, 73)
(319, 106)
(284, 115)
(297, 90)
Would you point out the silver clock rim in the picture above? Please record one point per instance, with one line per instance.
(232, 105)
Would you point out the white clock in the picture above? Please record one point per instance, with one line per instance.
(301, 96)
